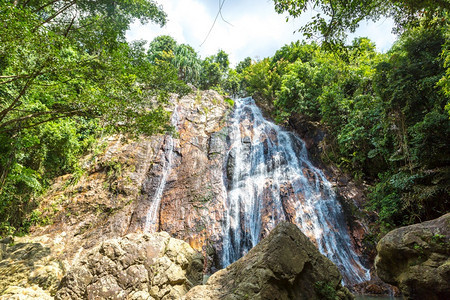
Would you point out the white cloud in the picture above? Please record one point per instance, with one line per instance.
(184, 17)
(380, 33)
(256, 30)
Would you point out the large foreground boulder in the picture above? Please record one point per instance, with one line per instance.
(137, 266)
(27, 270)
(285, 265)
(416, 259)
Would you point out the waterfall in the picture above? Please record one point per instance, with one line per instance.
(270, 179)
(167, 163)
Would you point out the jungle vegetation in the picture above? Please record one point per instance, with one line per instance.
(387, 115)
(69, 76)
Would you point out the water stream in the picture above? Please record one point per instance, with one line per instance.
(271, 179)
(167, 163)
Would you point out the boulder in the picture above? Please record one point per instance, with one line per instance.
(284, 265)
(416, 259)
(25, 293)
(27, 269)
(137, 266)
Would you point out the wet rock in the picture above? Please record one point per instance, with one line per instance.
(137, 266)
(231, 164)
(216, 144)
(375, 286)
(285, 265)
(416, 258)
(375, 289)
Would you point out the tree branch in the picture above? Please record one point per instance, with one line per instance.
(70, 4)
(58, 115)
(12, 76)
(16, 101)
(45, 5)
(70, 26)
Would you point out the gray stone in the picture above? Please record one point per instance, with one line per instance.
(27, 268)
(285, 265)
(416, 259)
(137, 266)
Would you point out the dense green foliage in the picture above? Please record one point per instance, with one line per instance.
(335, 18)
(385, 114)
(386, 117)
(165, 50)
(66, 74)
(213, 72)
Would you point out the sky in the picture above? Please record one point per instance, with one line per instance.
(245, 28)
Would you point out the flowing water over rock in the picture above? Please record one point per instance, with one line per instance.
(270, 179)
(152, 214)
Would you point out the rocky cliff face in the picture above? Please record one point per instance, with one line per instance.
(113, 196)
(184, 174)
(417, 259)
(191, 207)
(284, 265)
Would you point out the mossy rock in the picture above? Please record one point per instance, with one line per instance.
(416, 258)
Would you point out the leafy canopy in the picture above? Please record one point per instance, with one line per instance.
(384, 115)
(336, 17)
(66, 73)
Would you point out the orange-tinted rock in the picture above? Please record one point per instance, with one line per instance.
(192, 205)
(114, 194)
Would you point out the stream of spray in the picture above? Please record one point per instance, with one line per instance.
(267, 169)
(151, 222)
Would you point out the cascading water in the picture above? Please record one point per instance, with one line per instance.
(267, 169)
(168, 157)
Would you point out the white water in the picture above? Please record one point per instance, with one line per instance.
(168, 157)
(267, 168)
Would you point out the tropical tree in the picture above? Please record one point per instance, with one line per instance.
(65, 67)
(188, 64)
(231, 83)
(162, 48)
(336, 17)
(222, 59)
(215, 71)
(211, 74)
(243, 64)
